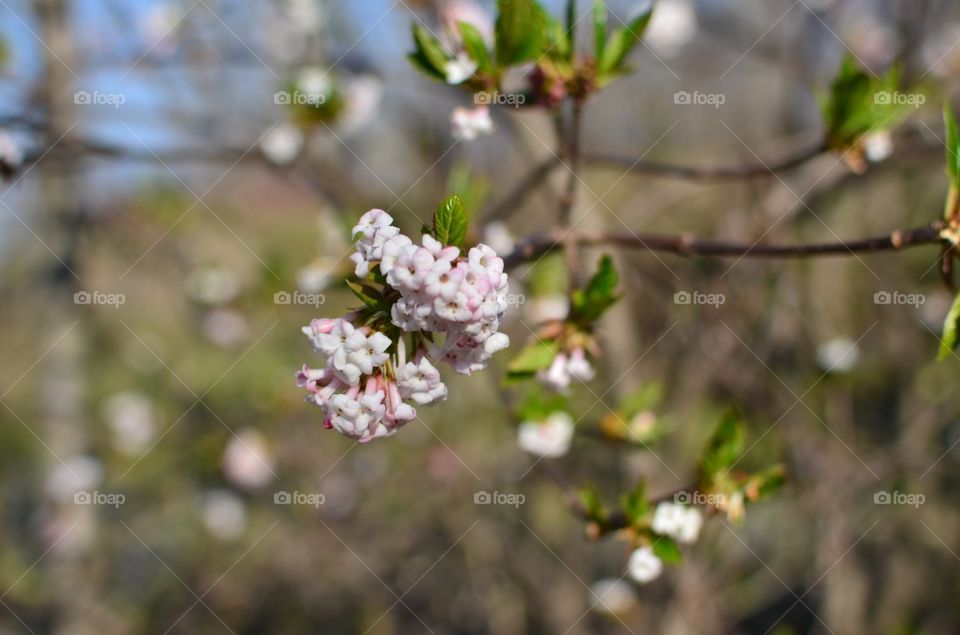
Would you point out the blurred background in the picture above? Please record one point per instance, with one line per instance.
(168, 223)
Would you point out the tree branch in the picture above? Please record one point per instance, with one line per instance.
(688, 245)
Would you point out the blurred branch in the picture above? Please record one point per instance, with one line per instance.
(688, 245)
(706, 173)
(528, 184)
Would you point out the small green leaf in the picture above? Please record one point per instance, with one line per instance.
(592, 505)
(953, 146)
(475, 45)
(949, 340)
(599, 27)
(667, 550)
(621, 42)
(641, 399)
(450, 222)
(533, 358)
(725, 447)
(634, 504)
(364, 294)
(519, 31)
(599, 295)
(430, 56)
(764, 483)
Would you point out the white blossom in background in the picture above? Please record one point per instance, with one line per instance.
(565, 367)
(547, 308)
(878, 146)
(673, 26)
(247, 462)
(362, 95)
(224, 514)
(316, 276)
(212, 285)
(282, 144)
(460, 69)
(468, 124)
(75, 474)
(315, 82)
(226, 327)
(550, 438)
(680, 522)
(159, 26)
(838, 355)
(11, 152)
(306, 16)
(132, 422)
(455, 11)
(499, 238)
(612, 596)
(644, 566)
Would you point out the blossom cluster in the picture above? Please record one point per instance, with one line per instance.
(449, 304)
(565, 367)
(679, 522)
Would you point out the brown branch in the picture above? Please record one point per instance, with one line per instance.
(523, 189)
(688, 245)
(706, 173)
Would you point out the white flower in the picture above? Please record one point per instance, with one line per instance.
(550, 438)
(131, 420)
(247, 461)
(839, 355)
(282, 144)
(498, 236)
(547, 308)
(556, 376)
(579, 367)
(460, 69)
(469, 123)
(673, 25)
(314, 81)
(224, 514)
(421, 382)
(368, 352)
(680, 522)
(644, 566)
(362, 97)
(878, 146)
(612, 596)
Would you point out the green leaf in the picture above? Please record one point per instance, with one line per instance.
(599, 27)
(430, 56)
(948, 343)
(531, 359)
(450, 222)
(725, 447)
(621, 42)
(667, 550)
(475, 45)
(540, 404)
(365, 294)
(519, 31)
(592, 505)
(599, 295)
(641, 399)
(634, 504)
(764, 483)
(953, 146)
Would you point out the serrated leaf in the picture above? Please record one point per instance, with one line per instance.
(725, 446)
(599, 295)
(430, 55)
(450, 222)
(519, 31)
(533, 358)
(475, 46)
(599, 27)
(949, 341)
(621, 42)
(667, 550)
